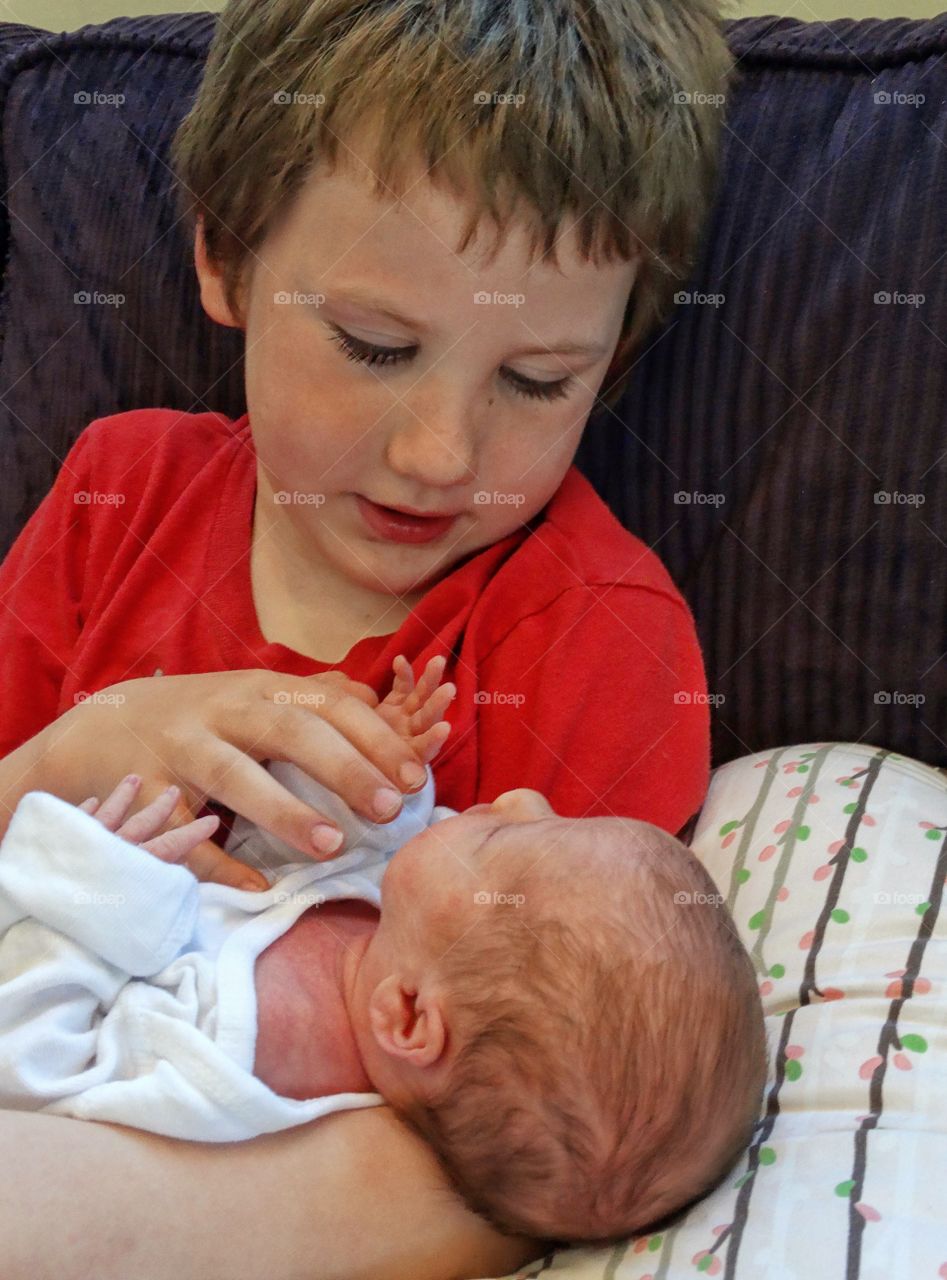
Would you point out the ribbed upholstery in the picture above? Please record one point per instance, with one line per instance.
(797, 399)
(800, 397)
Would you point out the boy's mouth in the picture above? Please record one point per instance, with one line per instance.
(402, 526)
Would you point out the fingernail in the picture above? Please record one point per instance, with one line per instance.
(170, 790)
(252, 885)
(385, 801)
(325, 838)
(133, 778)
(413, 776)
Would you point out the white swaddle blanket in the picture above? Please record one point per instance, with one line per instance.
(127, 987)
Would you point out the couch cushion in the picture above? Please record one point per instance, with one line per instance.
(781, 412)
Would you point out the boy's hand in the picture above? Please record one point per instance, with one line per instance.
(144, 828)
(213, 734)
(414, 711)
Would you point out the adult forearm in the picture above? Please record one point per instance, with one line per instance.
(354, 1196)
(18, 774)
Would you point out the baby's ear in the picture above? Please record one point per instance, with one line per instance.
(406, 1025)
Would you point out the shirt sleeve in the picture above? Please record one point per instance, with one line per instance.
(599, 701)
(41, 583)
(63, 868)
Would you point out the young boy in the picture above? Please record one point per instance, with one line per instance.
(336, 161)
(560, 1007)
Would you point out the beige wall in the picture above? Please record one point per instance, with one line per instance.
(65, 15)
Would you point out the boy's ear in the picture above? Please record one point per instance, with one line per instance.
(407, 1024)
(210, 275)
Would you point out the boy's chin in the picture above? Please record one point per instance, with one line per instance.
(393, 572)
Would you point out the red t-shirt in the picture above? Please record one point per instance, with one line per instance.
(567, 639)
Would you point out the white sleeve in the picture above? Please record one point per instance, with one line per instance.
(60, 866)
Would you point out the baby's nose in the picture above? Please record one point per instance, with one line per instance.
(523, 803)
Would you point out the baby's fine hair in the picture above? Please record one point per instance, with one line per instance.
(605, 114)
(611, 1060)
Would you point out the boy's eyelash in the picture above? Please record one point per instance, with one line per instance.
(368, 353)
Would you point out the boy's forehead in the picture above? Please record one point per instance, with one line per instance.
(428, 214)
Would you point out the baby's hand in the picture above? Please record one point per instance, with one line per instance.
(144, 828)
(415, 711)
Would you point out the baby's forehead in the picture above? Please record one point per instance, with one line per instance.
(587, 851)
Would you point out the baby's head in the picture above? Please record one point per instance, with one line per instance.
(563, 1010)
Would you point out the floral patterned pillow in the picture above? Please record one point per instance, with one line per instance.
(833, 859)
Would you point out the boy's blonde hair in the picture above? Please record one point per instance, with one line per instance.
(605, 122)
(610, 1070)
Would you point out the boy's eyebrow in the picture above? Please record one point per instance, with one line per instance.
(367, 298)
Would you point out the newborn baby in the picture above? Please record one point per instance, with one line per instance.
(561, 1007)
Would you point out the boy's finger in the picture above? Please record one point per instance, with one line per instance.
(90, 805)
(211, 864)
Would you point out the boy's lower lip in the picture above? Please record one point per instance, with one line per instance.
(397, 527)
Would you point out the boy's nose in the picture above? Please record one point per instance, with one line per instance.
(436, 450)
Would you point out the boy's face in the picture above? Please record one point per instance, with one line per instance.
(442, 429)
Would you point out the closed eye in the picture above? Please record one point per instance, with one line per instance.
(368, 353)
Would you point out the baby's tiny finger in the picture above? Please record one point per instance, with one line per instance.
(148, 821)
(90, 805)
(430, 743)
(434, 709)
(431, 677)
(174, 846)
(114, 807)
(404, 679)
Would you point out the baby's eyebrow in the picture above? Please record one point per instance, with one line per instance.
(496, 830)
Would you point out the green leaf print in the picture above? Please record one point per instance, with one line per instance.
(767, 1155)
(742, 875)
(729, 826)
(777, 970)
(859, 854)
(844, 1189)
(757, 921)
(793, 1069)
(916, 1043)
(840, 916)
